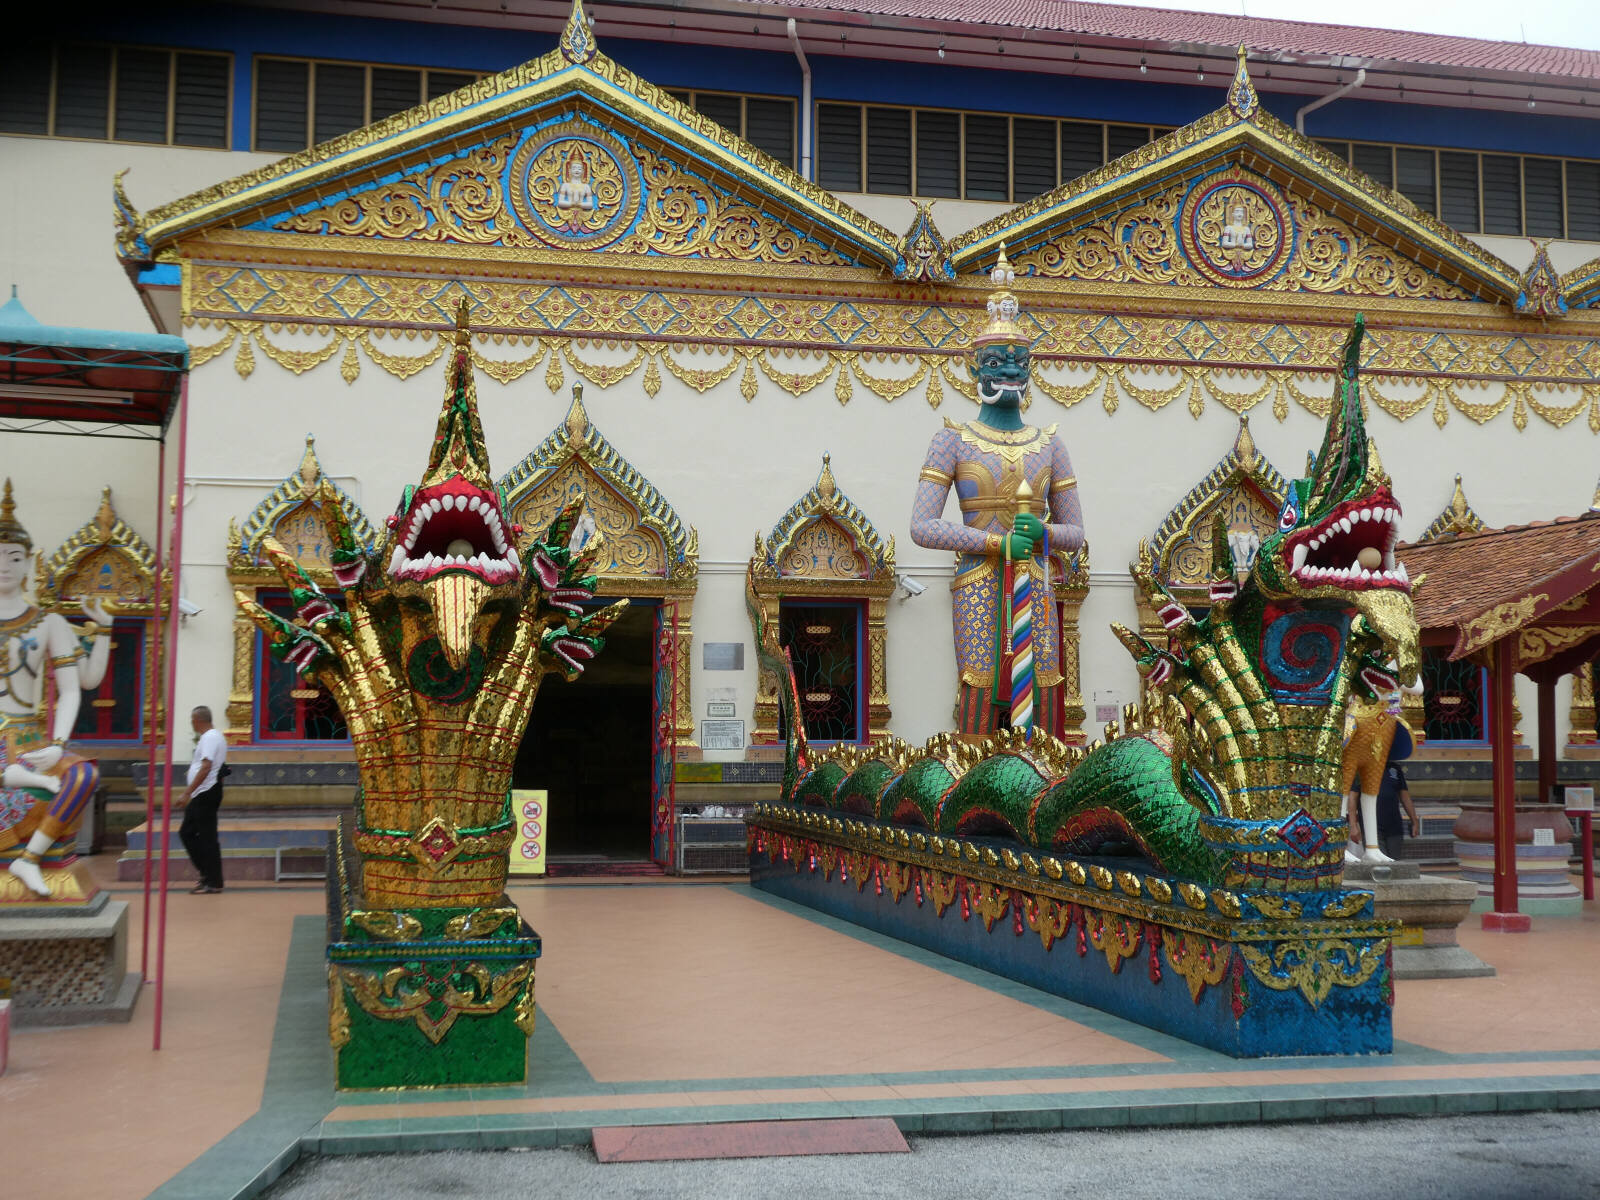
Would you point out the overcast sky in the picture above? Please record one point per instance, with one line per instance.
(1552, 22)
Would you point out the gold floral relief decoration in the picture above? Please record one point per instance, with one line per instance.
(407, 994)
(105, 559)
(644, 538)
(1314, 968)
(825, 546)
(291, 513)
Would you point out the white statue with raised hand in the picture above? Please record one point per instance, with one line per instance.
(45, 788)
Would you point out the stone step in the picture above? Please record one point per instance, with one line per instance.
(255, 863)
(243, 833)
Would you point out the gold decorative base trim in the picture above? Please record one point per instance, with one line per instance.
(71, 884)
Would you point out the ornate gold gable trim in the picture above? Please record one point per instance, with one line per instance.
(1239, 199)
(1457, 517)
(825, 546)
(562, 188)
(106, 559)
(647, 551)
(292, 514)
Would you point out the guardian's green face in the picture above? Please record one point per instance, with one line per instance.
(1001, 373)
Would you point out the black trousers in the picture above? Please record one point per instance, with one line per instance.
(199, 834)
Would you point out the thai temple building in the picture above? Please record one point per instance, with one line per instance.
(723, 266)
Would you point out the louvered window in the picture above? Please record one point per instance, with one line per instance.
(200, 101)
(142, 86)
(1125, 139)
(1541, 196)
(1082, 148)
(281, 104)
(1033, 158)
(341, 102)
(1502, 195)
(1413, 170)
(1340, 149)
(442, 83)
(25, 88)
(988, 177)
(1377, 161)
(938, 153)
(769, 125)
(1458, 191)
(722, 109)
(83, 91)
(839, 147)
(1583, 201)
(394, 90)
(889, 151)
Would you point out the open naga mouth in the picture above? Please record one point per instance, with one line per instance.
(454, 526)
(1353, 547)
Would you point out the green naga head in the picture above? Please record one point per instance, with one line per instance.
(999, 366)
(450, 544)
(1337, 532)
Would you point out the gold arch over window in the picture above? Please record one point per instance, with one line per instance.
(1245, 492)
(291, 513)
(109, 561)
(648, 551)
(825, 547)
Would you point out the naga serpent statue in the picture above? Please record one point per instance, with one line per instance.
(435, 654)
(1232, 776)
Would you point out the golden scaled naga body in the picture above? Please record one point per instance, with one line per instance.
(434, 653)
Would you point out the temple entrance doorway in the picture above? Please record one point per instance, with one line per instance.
(589, 744)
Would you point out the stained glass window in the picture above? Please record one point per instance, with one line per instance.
(824, 641)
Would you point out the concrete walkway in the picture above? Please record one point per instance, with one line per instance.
(667, 1001)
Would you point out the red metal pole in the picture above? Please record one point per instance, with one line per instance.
(171, 688)
(672, 751)
(152, 675)
(1504, 792)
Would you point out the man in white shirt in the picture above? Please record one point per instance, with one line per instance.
(200, 802)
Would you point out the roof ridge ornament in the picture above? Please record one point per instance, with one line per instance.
(577, 39)
(923, 255)
(1456, 519)
(1242, 98)
(1539, 289)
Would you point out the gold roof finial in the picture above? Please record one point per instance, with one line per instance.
(1003, 309)
(577, 39)
(1244, 445)
(1456, 519)
(826, 488)
(11, 531)
(463, 322)
(105, 517)
(310, 470)
(1594, 505)
(577, 418)
(1242, 96)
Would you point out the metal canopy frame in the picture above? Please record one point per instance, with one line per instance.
(62, 381)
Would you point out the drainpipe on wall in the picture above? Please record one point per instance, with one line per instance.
(805, 102)
(1300, 117)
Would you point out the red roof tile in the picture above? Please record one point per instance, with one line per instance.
(1258, 34)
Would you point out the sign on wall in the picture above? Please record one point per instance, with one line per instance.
(532, 806)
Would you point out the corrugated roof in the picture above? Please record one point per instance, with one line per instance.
(1257, 34)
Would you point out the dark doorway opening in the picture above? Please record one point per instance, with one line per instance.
(589, 745)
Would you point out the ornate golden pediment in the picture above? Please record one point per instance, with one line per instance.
(1243, 491)
(292, 513)
(647, 549)
(1455, 518)
(1239, 200)
(107, 560)
(825, 537)
(565, 153)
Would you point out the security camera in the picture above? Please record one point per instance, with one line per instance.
(188, 608)
(910, 586)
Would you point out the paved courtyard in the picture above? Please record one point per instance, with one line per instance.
(665, 1001)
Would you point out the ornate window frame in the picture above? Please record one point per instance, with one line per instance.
(651, 552)
(249, 572)
(854, 563)
(1071, 589)
(63, 579)
(1185, 531)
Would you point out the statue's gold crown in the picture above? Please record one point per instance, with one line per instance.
(11, 531)
(1002, 324)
